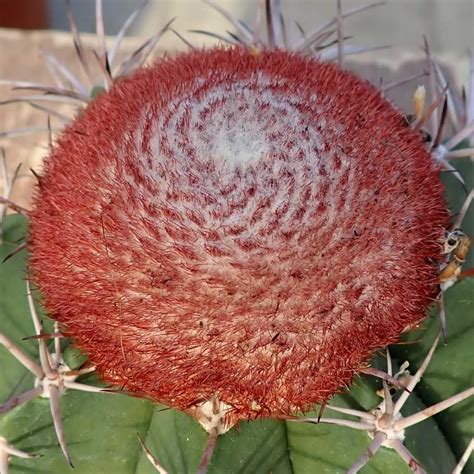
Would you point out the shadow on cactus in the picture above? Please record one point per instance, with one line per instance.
(234, 233)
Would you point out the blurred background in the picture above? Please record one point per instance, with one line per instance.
(449, 24)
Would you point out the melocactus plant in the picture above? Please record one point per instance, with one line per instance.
(233, 232)
(237, 225)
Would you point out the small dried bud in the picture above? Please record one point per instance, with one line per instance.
(239, 227)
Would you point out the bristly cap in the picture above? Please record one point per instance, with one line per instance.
(246, 226)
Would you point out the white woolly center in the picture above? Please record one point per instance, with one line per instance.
(237, 143)
(246, 156)
(235, 124)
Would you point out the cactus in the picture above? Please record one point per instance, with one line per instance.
(57, 411)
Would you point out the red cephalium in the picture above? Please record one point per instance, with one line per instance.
(246, 226)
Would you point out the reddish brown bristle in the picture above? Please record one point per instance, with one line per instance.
(246, 227)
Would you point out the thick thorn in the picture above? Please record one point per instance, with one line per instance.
(58, 425)
(364, 458)
(150, 457)
(206, 457)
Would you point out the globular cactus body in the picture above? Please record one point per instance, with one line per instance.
(243, 226)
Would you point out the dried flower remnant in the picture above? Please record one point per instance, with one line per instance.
(236, 226)
(457, 245)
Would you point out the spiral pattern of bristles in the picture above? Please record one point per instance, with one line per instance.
(250, 226)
